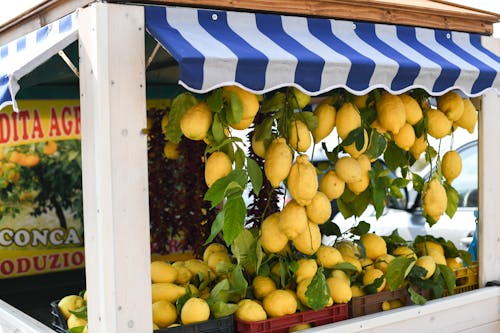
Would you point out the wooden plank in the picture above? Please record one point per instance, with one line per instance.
(114, 168)
(14, 320)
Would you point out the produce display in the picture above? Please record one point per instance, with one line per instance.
(277, 263)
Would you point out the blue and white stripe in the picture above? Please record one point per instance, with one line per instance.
(263, 52)
(23, 55)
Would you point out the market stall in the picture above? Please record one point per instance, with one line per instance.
(260, 52)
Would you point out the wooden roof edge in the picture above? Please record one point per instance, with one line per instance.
(476, 10)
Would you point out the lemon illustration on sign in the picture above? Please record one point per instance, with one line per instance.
(307, 268)
(300, 136)
(69, 303)
(218, 165)
(171, 150)
(279, 303)
(405, 137)
(435, 200)
(353, 150)
(328, 256)
(348, 169)
(250, 310)
(262, 286)
(347, 120)
(468, 119)
(374, 245)
(451, 165)
(391, 112)
(452, 105)
(340, 290)
(418, 147)
(412, 109)
(326, 115)
(332, 185)
(50, 148)
(195, 310)
(438, 125)
(196, 121)
(164, 313)
(428, 263)
(162, 271)
(302, 181)
(319, 209)
(278, 161)
(293, 219)
(371, 275)
(272, 239)
(309, 241)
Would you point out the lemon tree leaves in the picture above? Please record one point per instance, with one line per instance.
(318, 292)
(234, 217)
(397, 271)
(452, 196)
(255, 175)
(179, 106)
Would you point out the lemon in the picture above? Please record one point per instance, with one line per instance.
(438, 125)
(171, 150)
(299, 327)
(339, 274)
(302, 181)
(469, 117)
(69, 303)
(309, 240)
(438, 257)
(300, 99)
(347, 247)
(392, 304)
(164, 313)
(360, 101)
(359, 186)
(198, 267)
(374, 245)
(307, 268)
(216, 258)
(418, 147)
(332, 185)
(452, 105)
(427, 246)
(293, 219)
(454, 263)
(162, 271)
(243, 124)
(340, 290)
(382, 262)
(328, 256)
(249, 102)
(250, 310)
(301, 290)
(428, 263)
(184, 275)
(405, 137)
(435, 200)
(391, 112)
(353, 150)
(357, 291)
(74, 321)
(326, 114)
(211, 248)
(196, 121)
(164, 123)
(364, 163)
(272, 239)
(218, 165)
(404, 251)
(278, 161)
(50, 148)
(366, 263)
(378, 127)
(347, 119)
(348, 169)
(451, 165)
(258, 147)
(279, 303)
(195, 310)
(262, 286)
(300, 136)
(371, 275)
(353, 261)
(412, 109)
(166, 291)
(319, 209)
(155, 327)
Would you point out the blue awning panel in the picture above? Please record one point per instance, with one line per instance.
(23, 55)
(263, 52)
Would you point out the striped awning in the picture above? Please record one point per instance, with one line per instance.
(23, 55)
(263, 52)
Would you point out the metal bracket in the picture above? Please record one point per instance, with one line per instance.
(68, 62)
(153, 54)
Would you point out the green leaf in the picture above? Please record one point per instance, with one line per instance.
(344, 209)
(81, 312)
(263, 131)
(308, 118)
(354, 136)
(218, 130)
(452, 196)
(255, 174)
(318, 292)
(216, 227)
(377, 146)
(273, 104)
(379, 197)
(346, 267)
(394, 156)
(465, 256)
(180, 105)
(238, 282)
(234, 218)
(397, 271)
(234, 112)
(239, 158)
(218, 292)
(372, 287)
(222, 309)
(217, 191)
(77, 329)
(242, 246)
(361, 228)
(418, 182)
(415, 297)
(215, 101)
(330, 228)
(449, 277)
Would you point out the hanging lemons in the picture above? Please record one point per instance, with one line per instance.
(218, 166)
(438, 125)
(309, 241)
(469, 117)
(278, 161)
(299, 99)
(272, 239)
(412, 109)
(250, 105)
(452, 105)
(418, 147)
(258, 147)
(360, 101)
(293, 219)
(348, 169)
(434, 199)
(391, 112)
(347, 119)
(300, 136)
(332, 185)
(405, 137)
(320, 209)
(171, 150)
(302, 182)
(326, 114)
(451, 165)
(353, 150)
(196, 121)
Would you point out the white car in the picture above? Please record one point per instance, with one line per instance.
(405, 214)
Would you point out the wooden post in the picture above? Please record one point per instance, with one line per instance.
(115, 172)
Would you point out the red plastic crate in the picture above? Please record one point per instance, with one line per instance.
(324, 316)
